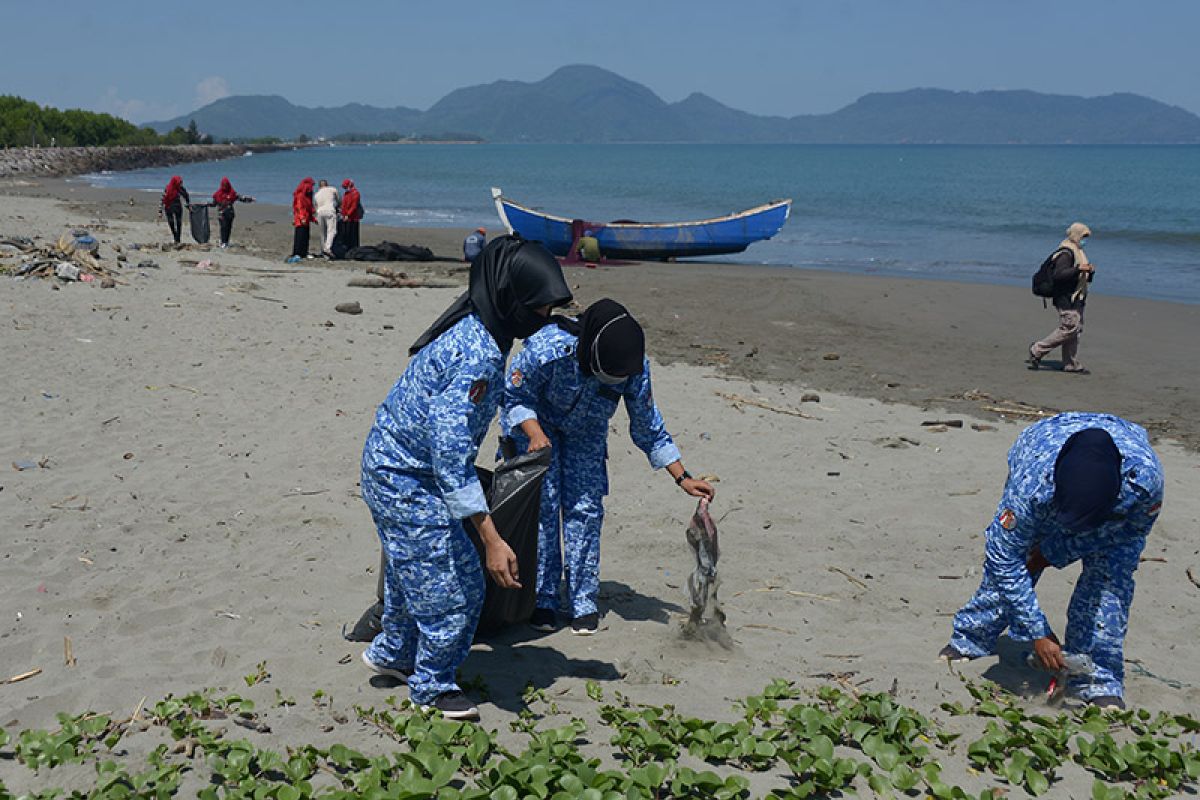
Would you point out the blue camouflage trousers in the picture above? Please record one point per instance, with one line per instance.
(1097, 619)
(433, 595)
(572, 513)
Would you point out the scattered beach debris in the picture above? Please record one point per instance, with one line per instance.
(980, 426)
(831, 356)
(937, 429)
(1191, 573)
(74, 257)
(737, 401)
(348, 308)
(896, 442)
(68, 652)
(386, 278)
(847, 576)
(810, 397)
(944, 423)
(24, 676)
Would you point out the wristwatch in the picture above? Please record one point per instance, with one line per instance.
(685, 475)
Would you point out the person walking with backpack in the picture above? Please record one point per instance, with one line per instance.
(1064, 277)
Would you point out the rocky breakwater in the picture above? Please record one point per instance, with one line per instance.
(60, 161)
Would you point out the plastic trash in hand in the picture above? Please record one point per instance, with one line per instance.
(1078, 664)
(703, 582)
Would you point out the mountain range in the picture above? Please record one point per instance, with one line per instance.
(589, 104)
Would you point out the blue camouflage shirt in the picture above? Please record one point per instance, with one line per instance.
(1026, 515)
(546, 383)
(429, 428)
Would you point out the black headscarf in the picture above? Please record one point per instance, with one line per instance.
(621, 349)
(1087, 479)
(509, 279)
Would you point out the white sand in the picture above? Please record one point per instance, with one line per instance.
(198, 515)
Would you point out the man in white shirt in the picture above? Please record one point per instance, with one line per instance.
(326, 201)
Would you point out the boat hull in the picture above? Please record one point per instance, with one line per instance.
(648, 241)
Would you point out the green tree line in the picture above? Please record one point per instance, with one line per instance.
(24, 123)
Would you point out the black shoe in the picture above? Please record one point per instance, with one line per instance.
(587, 625)
(1107, 702)
(543, 619)
(951, 654)
(1032, 361)
(454, 705)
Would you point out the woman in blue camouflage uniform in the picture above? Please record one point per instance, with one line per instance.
(418, 472)
(1081, 487)
(562, 390)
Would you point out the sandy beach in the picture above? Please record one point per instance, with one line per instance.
(194, 511)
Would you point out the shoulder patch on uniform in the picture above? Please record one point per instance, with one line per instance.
(478, 390)
(517, 377)
(1154, 509)
(1007, 519)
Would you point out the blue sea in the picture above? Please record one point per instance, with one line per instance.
(973, 213)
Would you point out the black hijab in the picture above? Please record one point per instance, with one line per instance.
(1087, 479)
(509, 279)
(621, 349)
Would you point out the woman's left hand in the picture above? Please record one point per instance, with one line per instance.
(698, 488)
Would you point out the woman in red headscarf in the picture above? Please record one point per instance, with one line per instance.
(172, 205)
(224, 198)
(352, 212)
(302, 217)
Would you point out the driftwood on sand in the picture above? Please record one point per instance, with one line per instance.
(387, 278)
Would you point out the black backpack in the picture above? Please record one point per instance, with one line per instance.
(1044, 284)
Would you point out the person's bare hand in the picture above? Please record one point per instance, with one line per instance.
(539, 441)
(502, 565)
(1050, 653)
(698, 488)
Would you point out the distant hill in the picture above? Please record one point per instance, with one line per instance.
(251, 116)
(588, 104)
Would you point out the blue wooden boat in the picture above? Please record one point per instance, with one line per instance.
(625, 239)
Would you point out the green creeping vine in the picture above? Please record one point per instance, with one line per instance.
(825, 742)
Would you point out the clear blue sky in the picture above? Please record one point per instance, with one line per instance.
(154, 60)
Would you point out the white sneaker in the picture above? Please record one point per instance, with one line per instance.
(398, 674)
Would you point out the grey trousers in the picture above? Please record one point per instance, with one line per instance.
(1066, 336)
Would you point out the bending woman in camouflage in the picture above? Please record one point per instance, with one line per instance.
(1081, 487)
(561, 392)
(418, 472)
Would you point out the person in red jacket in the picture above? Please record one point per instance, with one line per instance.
(173, 199)
(302, 216)
(352, 212)
(223, 199)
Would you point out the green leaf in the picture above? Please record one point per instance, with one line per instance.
(821, 746)
(1036, 782)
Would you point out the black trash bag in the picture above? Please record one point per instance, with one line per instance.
(514, 494)
(198, 218)
(389, 251)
